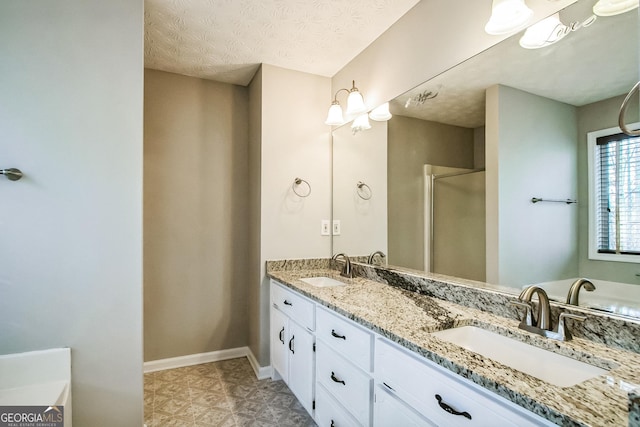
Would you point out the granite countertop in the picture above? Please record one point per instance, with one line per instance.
(408, 318)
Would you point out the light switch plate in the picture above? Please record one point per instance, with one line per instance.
(324, 228)
(336, 227)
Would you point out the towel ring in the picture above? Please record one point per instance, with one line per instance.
(12, 174)
(297, 182)
(623, 110)
(364, 191)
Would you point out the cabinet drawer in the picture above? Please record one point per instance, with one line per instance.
(422, 384)
(346, 383)
(293, 305)
(329, 413)
(345, 337)
(392, 412)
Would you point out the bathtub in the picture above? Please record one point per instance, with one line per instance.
(614, 297)
(37, 378)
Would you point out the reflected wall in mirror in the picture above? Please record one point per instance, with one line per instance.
(456, 167)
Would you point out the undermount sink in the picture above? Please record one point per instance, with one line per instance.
(545, 365)
(322, 282)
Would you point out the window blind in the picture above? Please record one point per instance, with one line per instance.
(618, 194)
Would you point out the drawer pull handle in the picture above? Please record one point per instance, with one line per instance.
(336, 379)
(449, 409)
(388, 386)
(287, 302)
(281, 335)
(291, 344)
(336, 335)
(333, 424)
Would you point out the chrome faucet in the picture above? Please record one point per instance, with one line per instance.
(542, 319)
(541, 325)
(574, 291)
(373, 255)
(346, 270)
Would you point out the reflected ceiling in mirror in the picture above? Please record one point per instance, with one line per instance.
(577, 70)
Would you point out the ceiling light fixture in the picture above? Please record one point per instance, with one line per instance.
(381, 113)
(508, 16)
(360, 123)
(544, 33)
(355, 105)
(614, 7)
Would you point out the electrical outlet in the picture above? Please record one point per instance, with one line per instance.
(336, 227)
(324, 228)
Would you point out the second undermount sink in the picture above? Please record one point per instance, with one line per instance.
(545, 365)
(322, 282)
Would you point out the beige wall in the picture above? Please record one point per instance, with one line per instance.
(294, 142)
(71, 249)
(196, 197)
(412, 144)
(596, 116)
(530, 152)
(255, 269)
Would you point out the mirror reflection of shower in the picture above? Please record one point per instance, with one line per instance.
(454, 221)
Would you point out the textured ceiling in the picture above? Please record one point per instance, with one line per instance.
(226, 40)
(593, 63)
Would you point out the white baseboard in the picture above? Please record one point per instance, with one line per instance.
(194, 359)
(262, 372)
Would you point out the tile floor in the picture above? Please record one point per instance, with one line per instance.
(223, 393)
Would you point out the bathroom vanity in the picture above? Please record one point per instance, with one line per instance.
(369, 352)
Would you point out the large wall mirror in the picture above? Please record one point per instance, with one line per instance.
(446, 185)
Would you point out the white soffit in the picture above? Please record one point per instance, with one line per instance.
(226, 40)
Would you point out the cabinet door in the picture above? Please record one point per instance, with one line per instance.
(300, 348)
(391, 412)
(279, 339)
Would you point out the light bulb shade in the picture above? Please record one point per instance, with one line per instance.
(361, 123)
(380, 113)
(508, 16)
(544, 33)
(614, 7)
(355, 103)
(334, 117)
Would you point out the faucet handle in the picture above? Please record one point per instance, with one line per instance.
(563, 332)
(528, 320)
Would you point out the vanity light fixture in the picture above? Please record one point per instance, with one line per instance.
(614, 7)
(355, 105)
(544, 33)
(508, 16)
(360, 123)
(381, 113)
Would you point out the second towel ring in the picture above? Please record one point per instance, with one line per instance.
(623, 110)
(297, 182)
(363, 190)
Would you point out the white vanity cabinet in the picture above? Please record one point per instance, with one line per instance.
(343, 366)
(356, 377)
(292, 342)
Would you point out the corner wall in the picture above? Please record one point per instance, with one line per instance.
(294, 142)
(71, 249)
(530, 152)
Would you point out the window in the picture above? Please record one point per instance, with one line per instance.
(614, 196)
